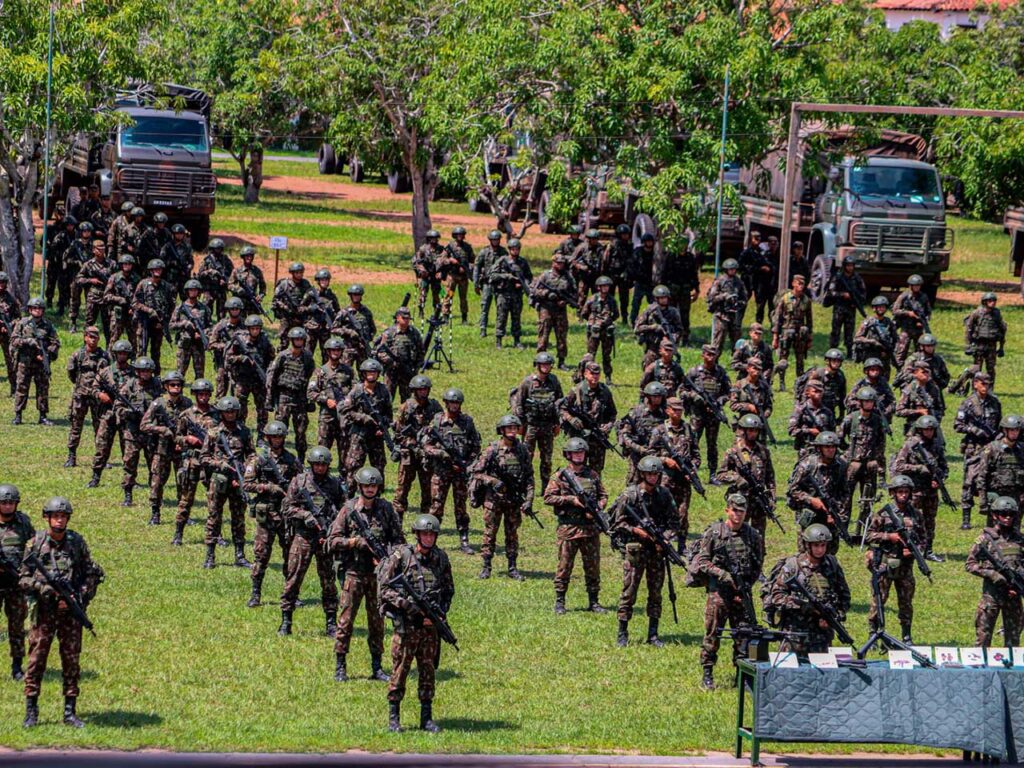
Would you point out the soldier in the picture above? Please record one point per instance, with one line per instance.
(366, 412)
(911, 311)
(160, 425)
(658, 321)
(891, 559)
(84, 365)
(191, 321)
(10, 312)
(16, 531)
(642, 557)
(820, 574)
(569, 245)
(108, 384)
(248, 355)
(92, 279)
(288, 300)
(681, 275)
(876, 336)
(728, 562)
(885, 398)
(248, 284)
(88, 204)
(600, 314)
(833, 382)
(747, 464)
(535, 403)
(426, 266)
(798, 265)
(792, 326)
(585, 265)
(117, 228)
(227, 448)
(810, 418)
(985, 335)
(921, 398)
(674, 441)
(287, 379)
(220, 338)
(213, 274)
(752, 394)
(817, 491)
(457, 266)
(65, 555)
(485, 261)
(510, 278)
(103, 219)
(926, 351)
(922, 457)
(355, 325)
(128, 237)
(327, 388)
(177, 255)
(977, 419)
(553, 292)
(451, 443)
(846, 294)
(118, 294)
(727, 301)
(755, 346)
(60, 234)
(1003, 541)
(641, 273)
(310, 508)
(577, 530)
(194, 425)
(1001, 467)
(589, 412)
(400, 350)
(268, 474)
(138, 392)
(415, 637)
(152, 243)
(665, 368)
(151, 312)
(75, 256)
(763, 280)
(504, 474)
(862, 436)
(618, 257)
(711, 380)
(414, 414)
(367, 521)
(35, 345)
(324, 313)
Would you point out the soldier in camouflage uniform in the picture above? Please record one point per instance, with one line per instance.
(922, 457)
(92, 280)
(636, 427)
(426, 566)
(755, 346)
(177, 255)
(728, 562)
(833, 382)
(366, 517)
(117, 297)
(985, 335)
(822, 575)
(535, 404)
(658, 321)
(354, 324)
(846, 291)
(102, 219)
(569, 244)
(64, 554)
(57, 246)
(247, 282)
(287, 379)
(577, 530)
(727, 301)
(810, 418)
(911, 311)
(33, 340)
(600, 314)
(109, 382)
(226, 466)
(310, 508)
(16, 531)
(220, 337)
(10, 312)
(749, 454)
(400, 350)
(247, 356)
(977, 419)
(594, 400)
(752, 394)
(510, 278)
(214, 273)
(817, 491)
(267, 476)
(618, 257)
(366, 433)
(885, 398)
(642, 557)
(426, 266)
(665, 368)
(328, 387)
(553, 292)
(926, 345)
(585, 265)
(413, 415)
(876, 336)
(1001, 467)
(84, 365)
(193, 427)
(711, 379)
(503, 484)
(672, 441)
(641, 274)
(921, 398)
(323, 318)
(287, 305)
(190, 321)
(117, 227)
(681, 275)
(890, 558)
(75, 256)
(153, 241)
(151, 312)
(862, 436)
(160, 425)
(126, 237)
(793, 326)
(457, 265)
(1004, 541)
(485, 261)
(449, 470)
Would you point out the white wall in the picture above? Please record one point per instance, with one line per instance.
(948, 21)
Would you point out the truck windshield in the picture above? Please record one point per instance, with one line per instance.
(173, 132)
(916, 185)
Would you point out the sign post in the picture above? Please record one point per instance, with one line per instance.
(278, 244)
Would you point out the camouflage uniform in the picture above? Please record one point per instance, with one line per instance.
(413, 415)
(635, 430)
(793, 327)
(585, 266)
(984, 335)
(213, 274)
(485, 261)
(894, 568)
(248, 278)
(886, 402)
(28, 337)
(111, 381)
(1000, 472)
(916, 397)
(115, 233)
(827, 582)
(640, 558)
(681, 275)
(75, 256)
(568, 246)
(190, 347)
(669, 374)
(507, 504)
(910, 328)
(923, 461)
(665, 441)
(600, 314)
(876, 337)
(10, 311)
(425, 263)
(246, 378)
(152, 244)
(617, 259)
(180, 264)
(995, 592)
(800, 491)
(727, 300)
(57, 246)
(863, 439)
(288, 305)
(117, 296)
(745, 350)
(833, 396)
(746, 393)
(843, 310)
(330, 383)
(191, 474)
(535, 402)
(220, 336)
(14, 536)
(83, 368)
(937, 365)
(222, 478)
(400, 352)
(457, 271)
(364, 445)
(597, 403)
(806, 423)
(576, 531)
(550, 291)
(263, 485)
(92, 279)
(510, 277)
(160, 425)
(323, 309)
(462, 433)
(356, 328)
(151, 309)
(977, 420)
(287, 379)
(715, 383)
(650, 329)
(758, 461)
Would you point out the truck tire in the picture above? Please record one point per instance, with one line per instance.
(356, 171)
(547, 226)
(821, 271)
(200, 234)
(642, 224)
(327, 160)
(398, 182)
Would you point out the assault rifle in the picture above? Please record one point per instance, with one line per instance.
(196, 325)
(236, 467)
(826, 612)
(833, 506)
(686, 470)
(1014, 577)
(454, 454)
(378, 549)
(428, 607)
(116, 394)
(559, 295)
(382, 424)
(910, 540)
(43, 353)
(988, 433)
(590, 505)
(322, 514)
(714, 407)
(8, 571)
(757, 489)
(591, 429)
(929, 461)
(658, 317)
(243, 291)
(846, 287)
(513, 484)
(665, 549)
(64, 591)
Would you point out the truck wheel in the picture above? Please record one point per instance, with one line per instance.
(547, 226)
(478, 205)
(200, 234)
(398, 182)
(642, 224)
(821, 270)
(356, 171)
(327, 160)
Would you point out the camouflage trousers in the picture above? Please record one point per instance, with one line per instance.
(119, 327)
(543, 438)
(16, 609)
(865, 474)
(219, 494)
(105, 434)
(411, 466)
(637, 563)
(596, 454)
(222, 379)
(330, 435)
(301, 553)
(927, 503)
(708, 428)
(397, 378)
(425, 286)
(969, 489)
(154, 340)
(159, 473)
(987, 614)
(440, 484)
(362, 449)
(263, 545)
(75, 294)
(82, 404)
(556, 320)
(354, 589)
(985, 354)
(798, 345)
(571, 540)
(54, 272)
(486, 297)
(9, 363)
(724, 325)
(94, 311)
(28, 372)
(904, 342)
(190, 351)
(419, 644)
(903, 579)
(53, 622)
(65, 284)
(606, 341)
(621, 288)
(494, 514)
(461, 285)
(508, 304)
(293, 409)
(843, 322)
(682, 494)
(245, 387)
(135, 445)
(681, 301)
(188, 479)
(717, 613)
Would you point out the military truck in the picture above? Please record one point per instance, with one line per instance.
(1013, 225)
(881, 205)
(157, 158)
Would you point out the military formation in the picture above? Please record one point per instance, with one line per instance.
(324, 504)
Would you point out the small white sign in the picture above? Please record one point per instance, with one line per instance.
(924, 650)
(278, 243)
(823, 660)
(901, 660)
(841, 651)
(998, 657)
(972, 657)
(1018, 656)
(946, 655)
(784, 659)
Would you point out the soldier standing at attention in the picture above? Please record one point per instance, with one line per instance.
(151, 311)
(1002, 540)
(220, 337)
(92, 279)
(355, 324)
(160, 424)
(247, 356)
(748, 455)
(10, 313)
(577, 529)
(460, 258)
(876, 336)
(191, 320)
(810, 418)
(922, 398)
(75, 256)
(426, 264)
(364, 413)
(553, 292)
(328, 387)
(727, 301)
(1001, 467)
(793, 326)
(681, 276)
(214, 273)
(600, 314)
(816, 491)
(665, 369)
(193, 427)
(755, 346)
(595, 401)
(535, 404)
(510, 278)
(287, 304)
(117, 297)
(873, 378)
(109, 383)
(985, 334)
(287, 379)
(139, 391)
(35, 345)
(485, 261)
(752, 394)
(16, 531)
(177, 254)
(911, 311)
(400, 350)
(711, 379)
(64, 554)
(618, 257)
(977, 419)
(672, 441)
(585, 265)
(862, 435)
(923, 458)
(657, 322)
(247, 282)
(846, 291)
(413, 415)
(636, 427)
(84, 366)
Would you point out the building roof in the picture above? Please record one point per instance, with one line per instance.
(939, 6)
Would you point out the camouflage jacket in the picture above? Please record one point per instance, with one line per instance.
(195, 422)
(807, 422)
(916, 397)
(411, 418)
(573, 521)
(535, 400)
(506, 473)
(399, 350)
(800, 489)
(330, 383)
(10, 311)
(881, 526)
(220, 336)
(863, 438)
(455, 261)
(585, 262)
(83, 368)
(840, 284)
(1009, 546)
(355, 415)
(745, 393)
(14, 537)
(636, 427)
(617, 258)
(714, 382)
(161, 421)
(425, 262)
(345, 540)
(746, 349)
(552, 290)
(153, 301)
(886, 402)
(289, 374)
(1000, 470)
(510, 275)
(245, 279)
(923, 461)
(152, 243)
(119, 292)
(30, 336)
(179, 260)
(328, 496)
(288, 297)
(485, 261)
(909, 302)
(597, 403)
(726, 297)
(242, 355)
(430, 574)
(940, 371)
(461, 432)
(876, 337)
(793, 316)
(567, 247)
(212, 455)
(214, 273)
(264, 486)
(984, 326)
(825, 580)
(681, 441)
(185, 327)
(978, 420)
(656, 323)
(724, 551)
(600, 315)
(758, 461)
(670, 374)
(93, 278)
(360, 319)
(656, 505)
(68, 558)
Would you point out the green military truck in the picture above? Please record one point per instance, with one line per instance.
(1013, 224)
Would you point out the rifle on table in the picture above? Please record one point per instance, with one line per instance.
(378, 549)
(1014, 577)
(833, 506)
(514, 484)
(756, 489)
(745, 634)
(454, 454)
(826, 612)
(590, 427)
(430, 609)
(714, 407)
(245, 292)
(64, 591)
(382, 424)
(910, 540)
(590, 505)
(665, 549)
(236, 467)
(929, 461)
(196, 325)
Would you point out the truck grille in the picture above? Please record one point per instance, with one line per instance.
(171, 184)
(910, 238)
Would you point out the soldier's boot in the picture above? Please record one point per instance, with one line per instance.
(595, 606)
(464, 543)
(71, 460)
(340, 668)
(497, 343)
(485, 571)
(179, 530)
(966, 524)
(240, 560)
(517, 343)
(623, 637)
(31, 711)
(394, 717)
(17, 418)
(330, 624)
(257, 592)
(94, 481)
(154, 514)
(286, 623)
(562, 366)
(905, 629)
(427, 718)
(483, 333)
(44, 421)
(560, 603)
(681, 544)
(17, 673)
(465, 318)
(652, 634)
(708, 681)
(513, 571)
(376, 670)
(211, 555)
(128, 500)
(70, 717)
(935, 558)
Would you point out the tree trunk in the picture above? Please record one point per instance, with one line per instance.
(424, 179)
(17, 235)
(254, 180)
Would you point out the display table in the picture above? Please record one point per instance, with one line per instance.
(976, 710)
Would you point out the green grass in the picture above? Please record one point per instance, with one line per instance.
(180, 663)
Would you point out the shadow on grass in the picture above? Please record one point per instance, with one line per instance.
(119, 718)
(469, 724)
(53, 673)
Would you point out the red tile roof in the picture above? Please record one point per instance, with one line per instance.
(938, 6)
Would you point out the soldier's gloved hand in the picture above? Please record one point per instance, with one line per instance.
(998, 579)
(46, 592)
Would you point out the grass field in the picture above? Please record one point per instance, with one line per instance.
(181, 663)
